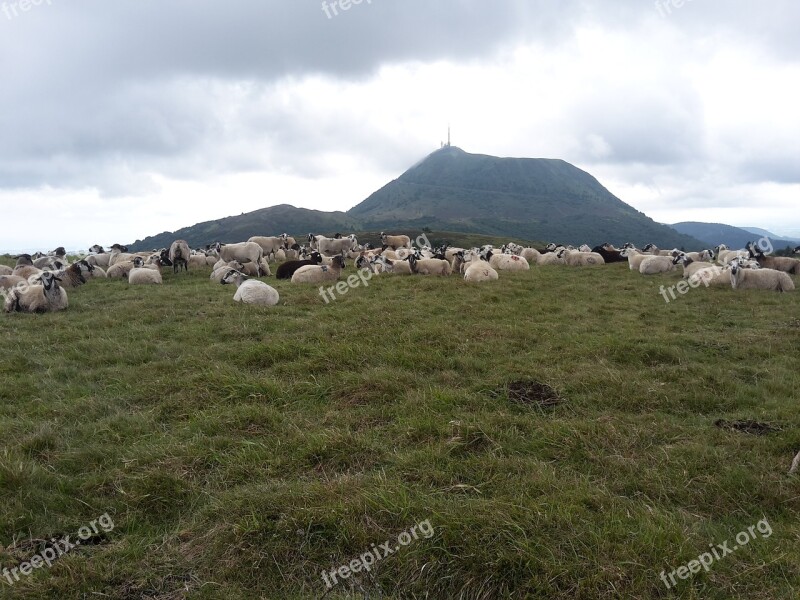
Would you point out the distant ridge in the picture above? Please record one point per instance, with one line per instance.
(533, 199)
(713, 234)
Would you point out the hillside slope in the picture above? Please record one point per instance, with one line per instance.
(713, 234)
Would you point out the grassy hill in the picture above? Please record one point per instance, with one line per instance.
(241, 452)
(451, 190)
(529, 198)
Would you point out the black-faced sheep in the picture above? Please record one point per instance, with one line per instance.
(47, 297)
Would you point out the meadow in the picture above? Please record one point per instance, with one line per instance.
(559, 429)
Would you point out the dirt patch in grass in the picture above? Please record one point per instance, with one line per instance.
(751, 427)
(530, 392)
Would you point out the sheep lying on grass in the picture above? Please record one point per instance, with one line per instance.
(479, 270)
(506, 262)
(759, 279)
(287, 269)
(319, 273)
(47, 297)
(251, 291)
(652, 265)
(580, 258)
(144, 276)
(75, 275)
(430, 266)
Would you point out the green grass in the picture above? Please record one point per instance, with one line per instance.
(241, 451)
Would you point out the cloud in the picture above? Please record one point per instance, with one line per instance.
(164, 108)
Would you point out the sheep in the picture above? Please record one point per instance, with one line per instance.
(335, 246)
(609, 253)
(219, 271)
(796, 250)
(702, 256)
(579, 258)
(430, 266)
(75, 275)
(9, 281)
(691, 266)
(634, 257)
(280, 255)
(244, 252)
(287, 269)
(99, 260)
(269, 245)
(480, 270)
(319, 273)
(550, 258)
(759, 279)
(397, 267)
(4, 270)
(531, 255)
(27, 271)
(786, 264)
(507, 262)
(652, 265)
(251, 291)
(724, 256)
(144, 276)
(655, 251)
(96, 273)
(120, 270)
(49, 296)
(118, 254)
(395, 241)
(180, 255)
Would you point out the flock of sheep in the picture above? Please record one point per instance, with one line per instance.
(39, 283)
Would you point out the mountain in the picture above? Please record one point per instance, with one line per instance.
(273, 220)
(534, 199)
(773, 236)
(713, 234)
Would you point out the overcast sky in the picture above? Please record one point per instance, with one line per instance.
(123, 119)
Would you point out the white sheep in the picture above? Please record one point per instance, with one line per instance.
(244, 252)
(634, 257)
(479, 270)
(319, 273)
(4, 270)
(506, 262)
(144, 276)
(47, 297)
(759, 279)
(549, 259)
(395, 241)
(335, 246)
(269, 244)
(180, 255)
(531, 255)
(652, 265)
(430, 266)
(581, 258)
(221, 269)
(251, 291)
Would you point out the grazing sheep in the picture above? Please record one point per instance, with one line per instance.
(287, 269)
(759, 279)
(652, 265)
(180, 255)
(319, 273)
(430, 266)
(47, 297)
(395, 241)
(507, 262)
(480, 270)
(251, 291)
